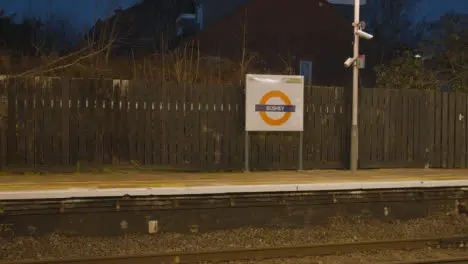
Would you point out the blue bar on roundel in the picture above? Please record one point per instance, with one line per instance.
(275, 108)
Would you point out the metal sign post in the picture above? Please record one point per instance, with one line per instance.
(246, 151)
(274, 103)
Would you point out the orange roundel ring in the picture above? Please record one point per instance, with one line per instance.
(270, 121)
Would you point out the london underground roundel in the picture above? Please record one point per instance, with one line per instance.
(274, 103)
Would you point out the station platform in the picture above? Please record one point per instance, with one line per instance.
(138, 183)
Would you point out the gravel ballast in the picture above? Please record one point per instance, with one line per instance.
(338, 231)
(383, 256)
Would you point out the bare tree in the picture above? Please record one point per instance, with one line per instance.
(247, 57)
(391, 22)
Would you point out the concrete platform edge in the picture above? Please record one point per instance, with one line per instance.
(222, 189)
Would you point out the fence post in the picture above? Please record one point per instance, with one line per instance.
(65, 83)
(3, 122)
(11, 123)
(2, 147)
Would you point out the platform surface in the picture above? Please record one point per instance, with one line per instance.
(135, 179)
(118, 183)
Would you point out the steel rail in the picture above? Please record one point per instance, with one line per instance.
(261, 253)
(457, 260)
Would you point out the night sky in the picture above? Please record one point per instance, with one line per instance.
(80, 12)
(83, 12)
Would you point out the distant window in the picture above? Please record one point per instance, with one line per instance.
(305, 69)
(200, 16)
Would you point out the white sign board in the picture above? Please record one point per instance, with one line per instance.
(346, 2)
(274, 103)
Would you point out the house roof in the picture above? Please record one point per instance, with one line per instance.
(226, 20)
(312, 30)
(142, 26)
(241, 6)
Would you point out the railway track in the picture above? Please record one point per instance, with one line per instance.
(458, 260)
(269, 253)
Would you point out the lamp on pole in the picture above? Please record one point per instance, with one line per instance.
(358, 33)
(354, 119)
(422, 58)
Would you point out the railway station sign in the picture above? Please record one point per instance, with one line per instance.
(274, 102)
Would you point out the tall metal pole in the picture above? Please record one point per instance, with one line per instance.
(246, 152)
(354, 121)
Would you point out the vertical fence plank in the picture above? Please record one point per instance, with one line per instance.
(429, 128)
(81, 115)
(21, 123)
(92, 125)
(307, 127)
(373, 123)
(317, 136)
(153, 130)
(189, 127)
(3, 147)
(164, 125)
(38, 123)
(452, 117)
(74, 122)
(3, 122)
(116, 122)
(342, 130)
(240, 121)
(47, 139)
(236, 129)
(218, 126)
(149, 131)
(12, 121)
(403, 147)
(465, 130)
(132, 124)
(333, 101)
(97, 114)
(426, 111)
(65, 83)
(225, 125)
(29, 122)
(388, 150)
(107, 136)
(397, 125)
(365, 128)
(204, 93)
(141, 95)
(445, 130)
(197, 133)
(438, 125)
(325, 120)
(460, 141)
(171, 124)
(56, 117)
(123, 121)
(410, 122)
(419, 144)
(180, 111)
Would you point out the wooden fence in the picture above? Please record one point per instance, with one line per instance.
(61, 122)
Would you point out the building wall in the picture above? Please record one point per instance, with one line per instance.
(293, 30)
(215, 10)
